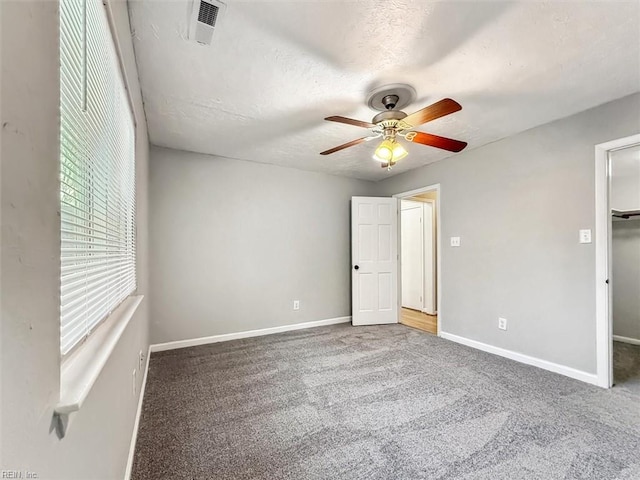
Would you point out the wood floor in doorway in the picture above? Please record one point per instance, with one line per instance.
(419, 320)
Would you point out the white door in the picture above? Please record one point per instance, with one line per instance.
(374, 257)
(412, 253)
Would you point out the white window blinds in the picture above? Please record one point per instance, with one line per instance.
(97, 174)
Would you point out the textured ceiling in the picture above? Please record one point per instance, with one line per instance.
(276, 69)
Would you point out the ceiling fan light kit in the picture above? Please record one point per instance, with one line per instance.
(392, 123)
(389, 152)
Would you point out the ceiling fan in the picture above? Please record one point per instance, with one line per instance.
(392, 123)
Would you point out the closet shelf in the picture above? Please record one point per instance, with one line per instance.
(625, 213)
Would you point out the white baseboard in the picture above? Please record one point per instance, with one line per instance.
(632, 341)
(134, 435)
(159, 347)
(591, 378)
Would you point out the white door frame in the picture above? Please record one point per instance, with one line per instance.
(604, 321)
(411, 193)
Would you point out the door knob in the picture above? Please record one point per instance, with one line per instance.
(357, 267)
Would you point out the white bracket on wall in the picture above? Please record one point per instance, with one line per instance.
(61, 424)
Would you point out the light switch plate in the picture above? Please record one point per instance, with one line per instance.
(585, 236)
(455, 241)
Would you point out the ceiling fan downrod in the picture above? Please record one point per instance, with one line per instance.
(390, 101)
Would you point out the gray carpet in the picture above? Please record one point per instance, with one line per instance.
(626, 366)
(384, 402)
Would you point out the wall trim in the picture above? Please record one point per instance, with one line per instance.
(160, 347)
(591, 378)
(136, 424)
(632, 341)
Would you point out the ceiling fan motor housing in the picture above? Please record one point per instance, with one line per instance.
(390, 122)
(389, 116)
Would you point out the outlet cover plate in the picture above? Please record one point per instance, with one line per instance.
(455, 241)
(502, 323)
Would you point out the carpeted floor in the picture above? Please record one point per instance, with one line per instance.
(383, 402)
(626, 366)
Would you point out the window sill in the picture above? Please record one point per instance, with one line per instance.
(80, 371)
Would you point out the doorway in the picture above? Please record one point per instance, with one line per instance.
(624, 197)
(418, 295)
(617, 235)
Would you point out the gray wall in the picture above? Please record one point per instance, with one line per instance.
(625, 250)
(625, 179)
(97, 443)
(235, 242)
(626, 278)
(517, 205)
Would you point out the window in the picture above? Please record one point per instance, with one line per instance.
(97, 174)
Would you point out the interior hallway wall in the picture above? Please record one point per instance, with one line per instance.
(431, 251)
(432, 284)
(236, 242)
(412, 259)
(97, 444)
(518, 205)
(427, 256)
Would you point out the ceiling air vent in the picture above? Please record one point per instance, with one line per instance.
(204, 17)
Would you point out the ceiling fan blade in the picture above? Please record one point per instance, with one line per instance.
(436, 110)
(350, 121)
(344, 145)
(436, 141)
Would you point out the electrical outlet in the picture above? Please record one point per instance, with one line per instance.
(455, 241)
(133, 383)
(296, 304)
(140, 360)
(502, 323)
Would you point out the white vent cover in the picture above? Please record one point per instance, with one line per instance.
(205, 14)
